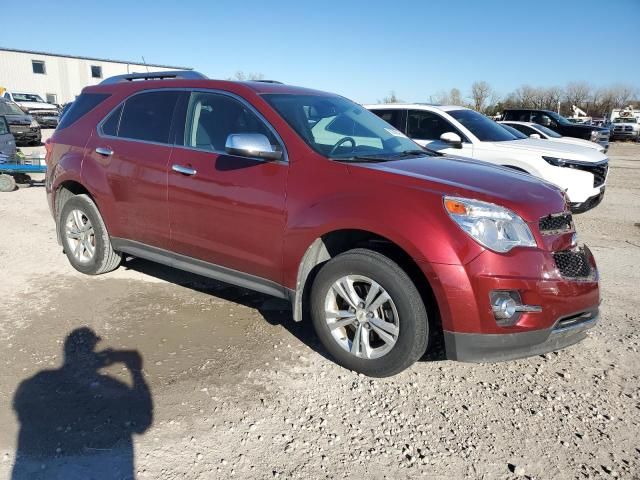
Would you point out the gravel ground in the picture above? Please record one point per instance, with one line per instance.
(239, 390)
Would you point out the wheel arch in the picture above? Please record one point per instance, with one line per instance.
(334, 242)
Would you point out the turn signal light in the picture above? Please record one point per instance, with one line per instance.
(455, 207)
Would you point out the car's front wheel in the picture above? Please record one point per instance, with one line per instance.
(368, 313)
(85, 238)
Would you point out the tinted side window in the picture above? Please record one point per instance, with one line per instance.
(212, 117)
(4, 127)
(147, 116)
(543, 119)
(523, 128)
(110, 126)
(425, 125)
(82, 105)
(395, 117)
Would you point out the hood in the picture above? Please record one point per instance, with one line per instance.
(37, 106)
(15, 119)
(553, 149)
(578, 141)
(530, 197)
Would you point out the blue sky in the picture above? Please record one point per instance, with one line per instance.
(360, 49)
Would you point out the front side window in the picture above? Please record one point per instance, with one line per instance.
(525, 129)
(339, 128)
(485, 129)
(424, 125)
(212, 117)
(4, 128)
(147, 116)
(548, 132)
(514, 131)
(38, 67)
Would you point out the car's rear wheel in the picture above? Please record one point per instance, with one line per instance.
(368, 313)
(85, 238)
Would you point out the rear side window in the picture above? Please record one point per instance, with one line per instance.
(81, 106)
(395, 117)
(147, 116)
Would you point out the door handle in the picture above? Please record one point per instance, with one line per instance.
(107, 152)
(183, 170)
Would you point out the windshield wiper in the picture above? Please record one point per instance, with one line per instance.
(424, 151)
(361, 159)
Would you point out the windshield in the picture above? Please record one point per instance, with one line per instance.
(7, 108)
(547, 131)
(339, 128)
(27, 97)
(512, 130)
(625, 120)
(482, 127)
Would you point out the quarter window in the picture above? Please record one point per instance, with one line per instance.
(82, 105)
(110, 126)
(212, 117)
(38, 67)
(423, 125)
(147, 116)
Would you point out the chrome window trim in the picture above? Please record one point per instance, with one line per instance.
(285, 155)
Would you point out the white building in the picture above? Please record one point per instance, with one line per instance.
(60, 78)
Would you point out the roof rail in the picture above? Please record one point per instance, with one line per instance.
(168, 75)
(268, 81)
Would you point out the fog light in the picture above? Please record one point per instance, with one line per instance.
(507, 307)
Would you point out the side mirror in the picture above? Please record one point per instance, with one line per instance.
(452, 139)
(252, 145)
(535, 135)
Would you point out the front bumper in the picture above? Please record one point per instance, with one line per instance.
(470, 328)
(473, 347)
(588, 204)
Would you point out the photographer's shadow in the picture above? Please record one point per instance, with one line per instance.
(77, 422)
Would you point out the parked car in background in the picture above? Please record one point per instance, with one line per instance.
(534, 130)
(7, 142)
(625, 124)
(454, 130)
(46, 114)
(559, 124)
(23, 127)
(307, 196)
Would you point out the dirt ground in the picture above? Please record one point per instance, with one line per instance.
(232, 387)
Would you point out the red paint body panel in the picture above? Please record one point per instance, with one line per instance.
(261, 217)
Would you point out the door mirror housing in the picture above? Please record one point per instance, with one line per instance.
(535, 135)
(452, 139)
(252, 145)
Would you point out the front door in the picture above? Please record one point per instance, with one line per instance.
(224, 209)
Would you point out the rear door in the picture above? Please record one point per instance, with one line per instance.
(426, 127)
(133, 146)
(227, 210)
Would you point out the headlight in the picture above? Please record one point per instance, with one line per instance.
(556, 162)
(594, 135)
(34, 124)
(497, 228)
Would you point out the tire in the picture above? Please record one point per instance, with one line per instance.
(7, 183)
(85, 238)
(404, 307)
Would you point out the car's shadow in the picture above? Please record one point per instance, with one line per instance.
(274, 310)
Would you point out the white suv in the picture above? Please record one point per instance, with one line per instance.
(580, 171)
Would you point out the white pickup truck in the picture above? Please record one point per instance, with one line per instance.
(625, 124)
(46, 114)
(580, 171)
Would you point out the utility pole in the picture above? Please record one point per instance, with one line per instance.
(558, 107)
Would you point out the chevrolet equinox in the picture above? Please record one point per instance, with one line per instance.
(309, 197)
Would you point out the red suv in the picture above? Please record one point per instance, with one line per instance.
(307, 196)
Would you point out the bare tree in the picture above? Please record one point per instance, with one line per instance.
(242, 77)
(441, 98)
(455, 97)
(480, 93)
(392, 98)
(623, 94)
(577, 93)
